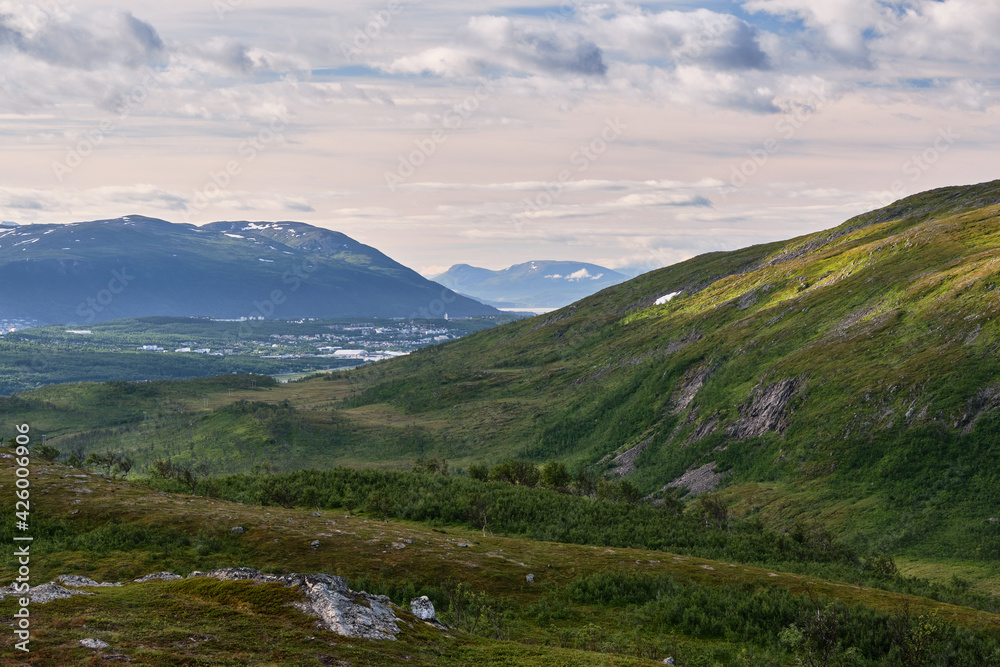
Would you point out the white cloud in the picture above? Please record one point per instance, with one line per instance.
(576, 276)
(492, 44)
(78, 41)
(711, 39)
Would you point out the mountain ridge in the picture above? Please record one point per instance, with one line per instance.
(138, 266)
(533, 284)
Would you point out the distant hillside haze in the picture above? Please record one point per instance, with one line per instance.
(136, 266)
(538, 284)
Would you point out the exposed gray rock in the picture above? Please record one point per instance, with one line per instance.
(354, 615)
(423, 608)
(78, 581)
(238, 530)
(625, 462)
(698, 481)
(347, 612)
(300, 580)
(530, 578)
(234, 573)
(693, 381)
(314, 544)
(330, 581)
(703, 429)
(158, 576)
(93, 643)
(42, 594)
(766, 411)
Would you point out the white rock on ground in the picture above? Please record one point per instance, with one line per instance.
(423, 608)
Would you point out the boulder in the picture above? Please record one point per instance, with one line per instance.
(355, 614)
(423, 608)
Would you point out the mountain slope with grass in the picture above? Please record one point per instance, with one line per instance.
(848, 377)
(842, 383)
(137, 266)
(504, 599)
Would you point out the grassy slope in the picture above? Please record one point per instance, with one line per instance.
(885, 322)
(129, 530)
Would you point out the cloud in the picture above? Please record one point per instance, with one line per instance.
(710, 39)
(838, 27)
(72, 205)
(498, 44)
(576, 276)
(80, 41)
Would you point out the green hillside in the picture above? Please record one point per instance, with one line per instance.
(841, 382)
(847, 377)
(583, 604)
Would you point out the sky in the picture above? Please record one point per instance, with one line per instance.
(494, 133)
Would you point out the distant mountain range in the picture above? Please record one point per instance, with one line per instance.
(538, 284)
(137, 266)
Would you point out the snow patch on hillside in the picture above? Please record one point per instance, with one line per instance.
(665, 298)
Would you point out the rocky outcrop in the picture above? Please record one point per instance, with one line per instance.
(329, 599)
(157, 576)
(704, 428)
(692, 383)
(77, 581)
(353, 614)
(699, 480)
(43, 593)
(625, 462)
(765, 411)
